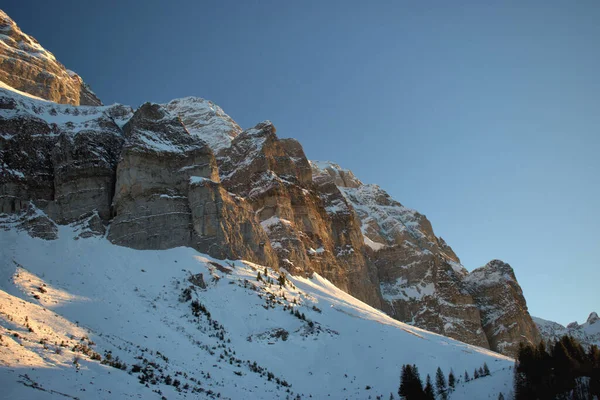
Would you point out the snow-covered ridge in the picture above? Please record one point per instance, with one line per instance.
(587, 333)
(162, 314)
(205, 119)
(74, 119)
(67, 118)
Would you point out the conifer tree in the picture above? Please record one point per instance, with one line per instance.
(467, 376)
(429, 394)
(451, 380)
(486, 370)
(440, 383)
(475, 374)
(411, 386)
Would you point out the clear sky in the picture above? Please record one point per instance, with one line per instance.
(483, 115)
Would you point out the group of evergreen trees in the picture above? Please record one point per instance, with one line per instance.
(478, 372)
(563, 370)
(411, 385)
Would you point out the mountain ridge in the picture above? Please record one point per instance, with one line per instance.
(185, 174)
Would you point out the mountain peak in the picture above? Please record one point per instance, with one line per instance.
(27, 66)
(593, 318)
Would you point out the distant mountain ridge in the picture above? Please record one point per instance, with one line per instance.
(185, 174)
(587, 333)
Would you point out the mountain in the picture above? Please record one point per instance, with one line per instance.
(587, 333)
(99, 194)
(25, 65)
(421, 279)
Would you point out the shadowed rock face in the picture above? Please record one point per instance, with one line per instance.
(504, 314)
(60, 157)
(27, 66)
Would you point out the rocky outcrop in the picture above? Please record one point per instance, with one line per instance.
(274, 176)
(168, 194)
(62, 158)
(419, 275)
(225, 226)
(587, 333)
(26, 66)
(504, 314)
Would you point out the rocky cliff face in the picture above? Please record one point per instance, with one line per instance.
(27, 66)
(274, 176)
(421, 279)
(168, 194)
(58, 158)
(504, 314)
(185, 174)
(420, 276)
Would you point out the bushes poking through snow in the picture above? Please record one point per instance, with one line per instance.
(199, 308)
(113, 362)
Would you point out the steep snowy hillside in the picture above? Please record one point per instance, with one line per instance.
(587, 333)
(179, 322)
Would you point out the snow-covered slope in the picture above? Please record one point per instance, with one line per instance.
(587, 333)
(63, 299)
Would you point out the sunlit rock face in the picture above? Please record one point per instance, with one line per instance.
(25, 65)
(504, 315)
(274, 176)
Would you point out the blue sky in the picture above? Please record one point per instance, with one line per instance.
(484, 116)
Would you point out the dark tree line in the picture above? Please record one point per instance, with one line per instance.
(562, 370)
(411, 385)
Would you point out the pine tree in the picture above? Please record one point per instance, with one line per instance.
(405, 377)
(451, 380)
(500, 396)
(486, 370)
(475, 374)
(467, 377)
(440, 383)
(411, 386)
(429, 394)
